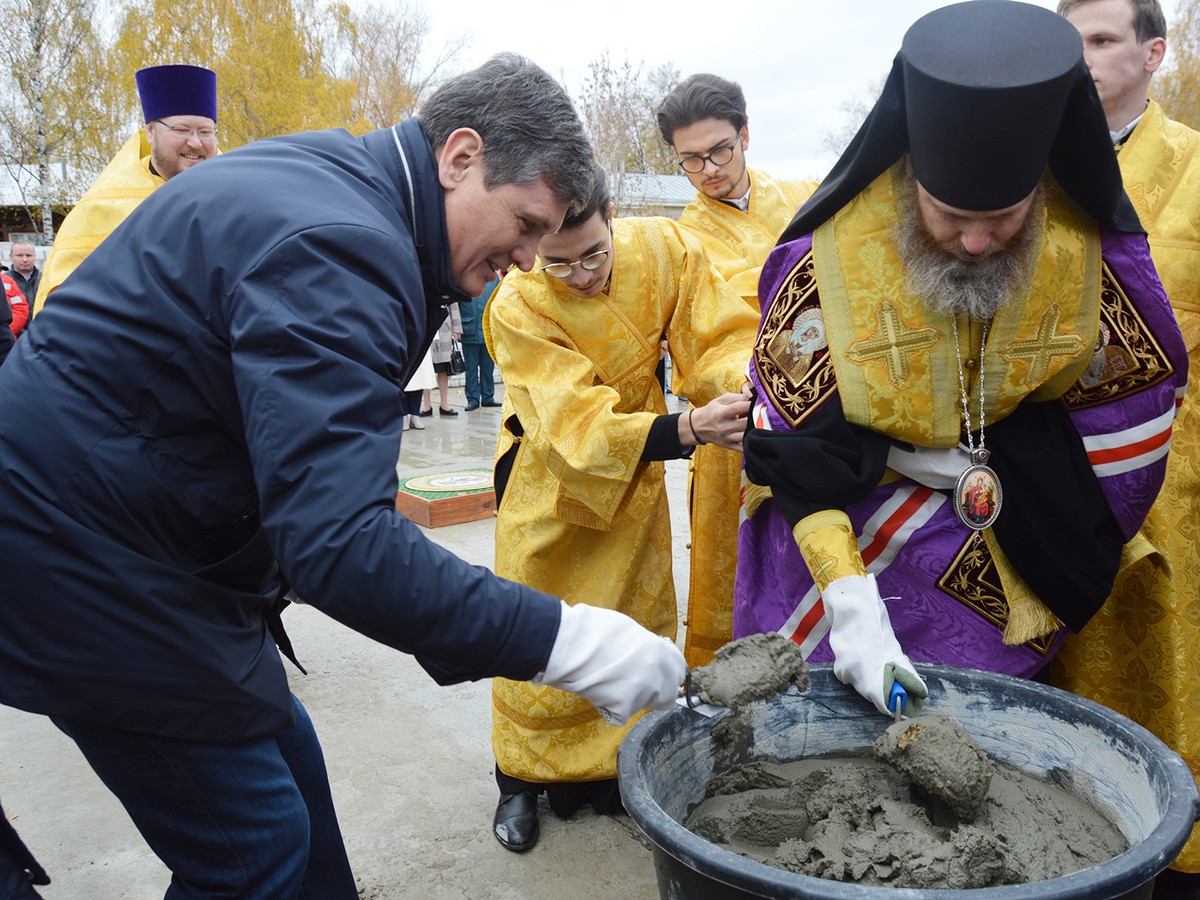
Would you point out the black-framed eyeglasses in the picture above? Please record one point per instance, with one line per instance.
(589, 263)
(719, 156)
(204, 134)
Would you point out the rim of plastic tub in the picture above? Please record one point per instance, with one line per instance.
(1112, 878)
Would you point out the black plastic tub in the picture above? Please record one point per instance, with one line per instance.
(1129, 775)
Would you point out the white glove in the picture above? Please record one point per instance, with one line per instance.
(866, 654)
(613, 663)
(933, 467)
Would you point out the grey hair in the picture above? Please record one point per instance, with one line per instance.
(529, 125)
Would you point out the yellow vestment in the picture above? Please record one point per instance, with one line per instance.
(1138, 654)
(583, 516)
(737, 244)
(125, 182)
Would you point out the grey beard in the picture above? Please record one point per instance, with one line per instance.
(951, 286)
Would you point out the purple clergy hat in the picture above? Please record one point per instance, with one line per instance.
(177, 91)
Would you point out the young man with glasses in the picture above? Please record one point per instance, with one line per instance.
(579, 474)
(179, 107)
(738, 213)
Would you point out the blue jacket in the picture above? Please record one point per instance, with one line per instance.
(213, 401)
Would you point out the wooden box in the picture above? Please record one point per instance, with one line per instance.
(447, 498)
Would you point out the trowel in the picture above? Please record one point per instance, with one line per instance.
(689, 699)
(897, 700)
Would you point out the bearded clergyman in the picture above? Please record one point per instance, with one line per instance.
(955, 469)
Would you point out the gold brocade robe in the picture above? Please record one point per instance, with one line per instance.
(737, 244)
(583, 516)
(125, 182)
(1139, 654)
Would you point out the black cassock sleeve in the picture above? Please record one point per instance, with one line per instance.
(1055, 524)
(827, 463)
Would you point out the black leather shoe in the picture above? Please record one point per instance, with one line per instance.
(472, 405)
(516, 821)
(492, 404)
(426, 413)
(442, 411)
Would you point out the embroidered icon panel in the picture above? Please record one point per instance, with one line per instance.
(1126, 358)
(974, 581)
(792, 353)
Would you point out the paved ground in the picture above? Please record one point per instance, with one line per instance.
(410, 763)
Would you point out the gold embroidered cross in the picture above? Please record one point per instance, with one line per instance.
(893, 344)
(1040, 351)
(822, 565)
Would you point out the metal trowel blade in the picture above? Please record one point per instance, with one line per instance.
(695, 704)
(691, 701)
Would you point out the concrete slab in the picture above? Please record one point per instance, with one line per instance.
(410, 763)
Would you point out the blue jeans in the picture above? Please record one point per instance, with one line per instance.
(251, 820)
(480, 374)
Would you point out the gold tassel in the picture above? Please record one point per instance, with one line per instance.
(753, 496)
(1028, 617)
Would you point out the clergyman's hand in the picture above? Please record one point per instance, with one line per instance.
(722, 421)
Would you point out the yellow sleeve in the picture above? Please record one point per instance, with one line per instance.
(829, 547)
(570, 421)
(712, 330)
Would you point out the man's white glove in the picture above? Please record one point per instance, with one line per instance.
(613, 663)
(933, 467)
(866, 654)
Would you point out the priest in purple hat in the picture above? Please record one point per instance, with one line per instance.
(966, 372)
(179, 107)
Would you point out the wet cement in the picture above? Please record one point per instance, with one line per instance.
(923, 808)
(938, 756)
(751, 668)
(856, 819)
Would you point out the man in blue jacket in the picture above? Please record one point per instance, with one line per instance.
(210, 412)
(480, 386)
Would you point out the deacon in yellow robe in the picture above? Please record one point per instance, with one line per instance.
(1139, 653)
(738, 215)
(736, 242)
(583, 507)
(179, 106)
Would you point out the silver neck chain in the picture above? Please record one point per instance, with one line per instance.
(962, 385)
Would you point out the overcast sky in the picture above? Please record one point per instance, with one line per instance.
(798, 61)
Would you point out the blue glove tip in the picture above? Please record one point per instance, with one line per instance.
(898, 698)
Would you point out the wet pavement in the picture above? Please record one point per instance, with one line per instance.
(410, 763)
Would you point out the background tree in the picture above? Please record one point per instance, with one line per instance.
(853, 113)
(617, 104)
(51, 100)
(273, 73)
(1177, 86)
(379, 49)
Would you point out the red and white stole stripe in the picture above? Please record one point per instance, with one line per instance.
(883, 537)
(1119, 452)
